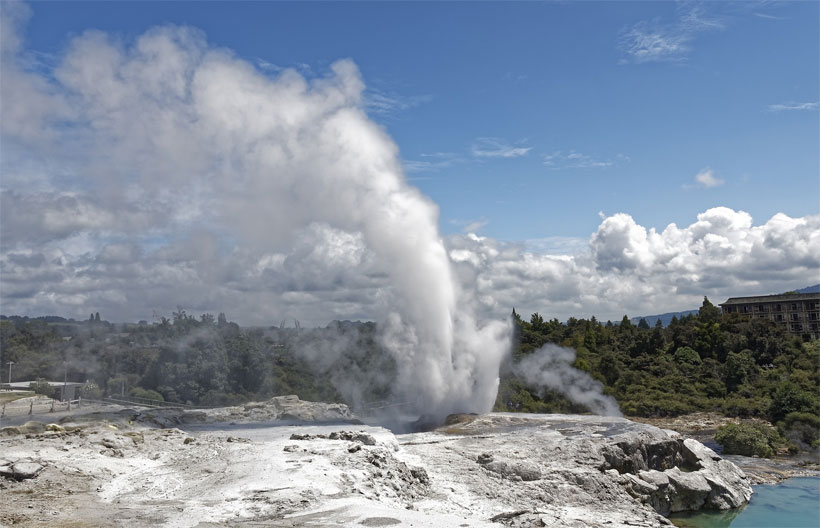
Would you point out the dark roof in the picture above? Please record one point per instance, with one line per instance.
(773, 298)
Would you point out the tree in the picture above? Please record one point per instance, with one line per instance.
(643, 325)
(97, 317)
(788, 398)
(708, 312)
(739, 366)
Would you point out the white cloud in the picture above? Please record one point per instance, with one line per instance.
(288, 203)
(578, 160)
(706, 179)
(793, 106)
(654, 41)
(384, 103)
(432, 162)
(767, 16)
(630, 269)
(490, 147)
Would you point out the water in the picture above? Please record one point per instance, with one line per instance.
(793, 503)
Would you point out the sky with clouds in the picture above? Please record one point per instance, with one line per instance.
(578, 158)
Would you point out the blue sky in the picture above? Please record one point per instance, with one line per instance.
(157, 155)
(548, 79)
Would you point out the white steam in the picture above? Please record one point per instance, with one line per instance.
(551, 367)
(176, 140)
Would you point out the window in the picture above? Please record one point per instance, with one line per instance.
(813, 316)
(797, 327)
(778, 317)
(794, 306)
(777, 308)
(795, 317)
(761, 307)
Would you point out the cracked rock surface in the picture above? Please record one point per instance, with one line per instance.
(167, 468)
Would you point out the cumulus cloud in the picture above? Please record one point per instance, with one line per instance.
(706, 178)
(630, 269)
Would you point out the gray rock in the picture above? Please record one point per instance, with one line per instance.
(21, 470)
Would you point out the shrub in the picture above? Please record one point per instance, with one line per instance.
(41, 386)
(803, 429)
(148, 394)
(748, 438)
(92, 391)
(788, 397)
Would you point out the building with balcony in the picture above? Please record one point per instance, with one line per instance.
(798, 313)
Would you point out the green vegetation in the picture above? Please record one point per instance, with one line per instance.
(704, 362)
(746, 368)
(204, 361)
(749, 439)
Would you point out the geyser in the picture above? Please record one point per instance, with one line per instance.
(193, 147)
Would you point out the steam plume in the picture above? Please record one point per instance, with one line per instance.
(181, 140)
(551, 366)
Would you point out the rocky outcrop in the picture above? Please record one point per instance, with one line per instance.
(675, 474)
(499, 469)
(286, 408)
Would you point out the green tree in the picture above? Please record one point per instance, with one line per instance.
(708, 312)
(788, 398)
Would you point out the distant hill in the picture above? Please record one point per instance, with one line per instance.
(665, 318)
(810, 289)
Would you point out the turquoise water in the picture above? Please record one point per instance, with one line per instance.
(793, 503)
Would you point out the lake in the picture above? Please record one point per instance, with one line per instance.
(793, 503)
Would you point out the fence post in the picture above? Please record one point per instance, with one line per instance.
(4, 411)
(52, 405)
(69, 405)
(30, 406)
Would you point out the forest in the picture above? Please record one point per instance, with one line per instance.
(707, 361)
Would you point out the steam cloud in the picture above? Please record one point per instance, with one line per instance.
(551, 366)
(175, 137)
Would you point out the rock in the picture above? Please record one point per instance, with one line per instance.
(135, 436)
(26, 470)
(21, 470)
(56, 428)
(691, 490)
(10, 431)
(33, 427)
(189, 440)
(707, 481)
(522, 470)
(484, 458)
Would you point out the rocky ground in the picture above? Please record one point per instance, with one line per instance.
(291, 463)
(703, 426)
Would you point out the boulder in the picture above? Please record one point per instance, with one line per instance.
(21, 470)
